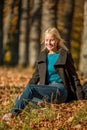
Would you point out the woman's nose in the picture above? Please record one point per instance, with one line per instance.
(49, 42)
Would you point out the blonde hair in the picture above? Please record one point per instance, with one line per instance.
(56, 33)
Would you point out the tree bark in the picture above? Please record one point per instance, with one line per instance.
(1, 31)
(69, 11)
(16, 33)
(49, 16)
(35, 32)
(23, 32)
(83, 56)
(6, 27)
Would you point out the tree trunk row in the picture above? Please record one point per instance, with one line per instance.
(22, 23)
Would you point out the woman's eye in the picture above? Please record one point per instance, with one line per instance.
(52, 40)
(46, 40)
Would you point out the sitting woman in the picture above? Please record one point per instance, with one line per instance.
(55, 77)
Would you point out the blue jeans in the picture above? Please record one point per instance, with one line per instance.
(54, 92)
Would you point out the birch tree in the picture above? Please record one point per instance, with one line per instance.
(23, 32)
(35, 31)
(83, 56)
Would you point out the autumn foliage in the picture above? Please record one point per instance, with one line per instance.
(65, 116)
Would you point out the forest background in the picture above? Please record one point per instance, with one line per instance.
(22, 23)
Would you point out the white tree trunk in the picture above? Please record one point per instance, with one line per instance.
(22, 37)
(83, 57)
(34, 39)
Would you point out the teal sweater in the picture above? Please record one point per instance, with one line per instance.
(52, 75)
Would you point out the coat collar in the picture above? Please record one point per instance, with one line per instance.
(60, 61)
(42, 56)
(62, 57)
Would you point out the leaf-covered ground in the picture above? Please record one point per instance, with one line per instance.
(66, 116)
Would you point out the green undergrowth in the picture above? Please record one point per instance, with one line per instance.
(35, 117)
(81, 116)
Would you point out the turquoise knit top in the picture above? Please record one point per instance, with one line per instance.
(52, 75)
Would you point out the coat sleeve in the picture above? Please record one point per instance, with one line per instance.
(75, 82)
(35, 77)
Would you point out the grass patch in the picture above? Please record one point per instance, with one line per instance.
(34, 116)
(80, 116)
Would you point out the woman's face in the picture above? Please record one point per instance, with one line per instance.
(51, 43)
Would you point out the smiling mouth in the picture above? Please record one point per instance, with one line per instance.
(50, 46)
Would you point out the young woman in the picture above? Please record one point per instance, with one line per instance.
(55, 77)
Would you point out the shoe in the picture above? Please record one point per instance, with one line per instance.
(7, 117)
(41, 105)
